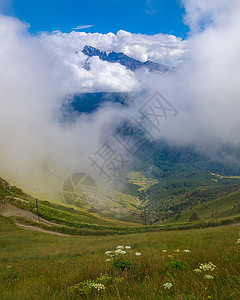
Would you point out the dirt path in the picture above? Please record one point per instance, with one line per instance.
(33, 228)
(8, 210)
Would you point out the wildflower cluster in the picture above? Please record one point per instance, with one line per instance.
(119, 251)
(88, 286)
(111, 254)
(97, 286)
(208, 277)
(178, 251)
(167, 285)
(197, 271)
(206, 267)
(120, 263)
(120, 247)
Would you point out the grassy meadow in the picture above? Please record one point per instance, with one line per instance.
(42, 266)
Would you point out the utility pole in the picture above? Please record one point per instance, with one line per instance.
(37, 211)
(144, 217)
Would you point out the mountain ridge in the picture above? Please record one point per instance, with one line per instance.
(121, 58)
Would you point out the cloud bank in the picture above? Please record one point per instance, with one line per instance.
(164, 49)
(38, 73)
(206, 89)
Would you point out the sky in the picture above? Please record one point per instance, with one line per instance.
(136, 16)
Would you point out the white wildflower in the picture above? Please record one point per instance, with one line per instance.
(186, 251)
(127, 247)
(177, 250)
(197, 271)
(238, 241)
(120, 251)
(167, 285)
(207, 267)
(97, 286)
(208, 277)
(108, 252)
(120, 247)
(138, 254)
(164, 251)
(108, 259)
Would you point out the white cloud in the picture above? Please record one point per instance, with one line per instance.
(165, 49)
(104, 76)
(200, 14)
(206, 91)
(80, 27)
(38, 72)
(35, 79)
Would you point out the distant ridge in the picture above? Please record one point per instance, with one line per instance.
(119, 57)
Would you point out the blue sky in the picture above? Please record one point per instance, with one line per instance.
(136, 16)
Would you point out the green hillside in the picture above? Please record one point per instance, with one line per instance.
(65, 255)
(66, 219)
(217, 208)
